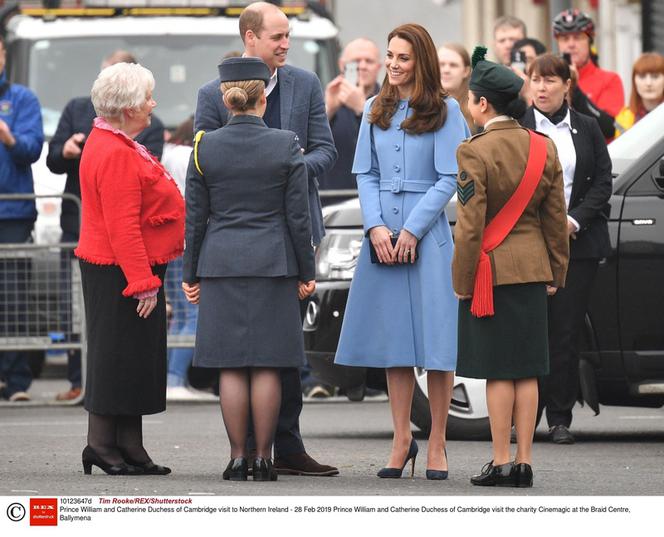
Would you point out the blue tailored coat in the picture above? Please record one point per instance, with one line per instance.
(405, 315)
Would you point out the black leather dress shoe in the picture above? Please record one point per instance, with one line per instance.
(560, 434)
(302, 464)
(236, 470)
(494, 476)
(522, 474)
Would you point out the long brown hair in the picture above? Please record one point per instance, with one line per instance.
(649, 62)
(427, 100)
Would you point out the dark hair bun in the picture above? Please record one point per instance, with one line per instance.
(516, 108)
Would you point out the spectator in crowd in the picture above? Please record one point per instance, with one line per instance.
(511, 250)
(21, 140)
(176, 156)
(265, 32)
(647, 90)
(596, 92)
(345, 96)
(506, 31)
(530, 48)
(405, 161)
(454, 62)
(248, 251)
(64, 156)
(587, 180)
(132, 226)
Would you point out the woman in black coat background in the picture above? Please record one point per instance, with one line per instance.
(588, 186)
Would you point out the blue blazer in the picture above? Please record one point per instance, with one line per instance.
(302, 111)
(247, 214)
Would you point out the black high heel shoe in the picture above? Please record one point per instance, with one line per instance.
(149, 468)
(263, 470)
(438, 475)
(90, 458)
(236, 470)
(395, 473)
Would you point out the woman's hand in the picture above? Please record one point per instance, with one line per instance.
(551, 290)
(145, 306)
(381, 238)
(404, 250)
(305, 289)
(192, 292)
(462, 297)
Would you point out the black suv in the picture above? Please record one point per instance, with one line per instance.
(622, 359)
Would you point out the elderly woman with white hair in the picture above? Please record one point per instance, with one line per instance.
(132, 226)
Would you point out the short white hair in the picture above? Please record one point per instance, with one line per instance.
(120, 87)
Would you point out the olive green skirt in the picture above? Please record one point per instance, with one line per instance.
(511, 344)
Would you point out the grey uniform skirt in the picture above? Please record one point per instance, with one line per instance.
(249, 322)
(126, 358)
(511, 344)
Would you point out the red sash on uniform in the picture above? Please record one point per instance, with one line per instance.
(503, 222)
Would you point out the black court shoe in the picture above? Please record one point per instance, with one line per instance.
(395, 473)
(236, 470)
(263, 470)
(90, 459)
(438, 475)
(495, 476)
(149, 468)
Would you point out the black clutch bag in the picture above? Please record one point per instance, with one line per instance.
(374, 255)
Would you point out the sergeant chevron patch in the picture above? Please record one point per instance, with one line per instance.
(465, 192)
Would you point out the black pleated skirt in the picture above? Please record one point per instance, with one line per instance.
(126, 358)
(511, 344)
(249, 322)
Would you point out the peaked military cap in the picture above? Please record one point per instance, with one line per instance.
(247, 68)
(495, 81)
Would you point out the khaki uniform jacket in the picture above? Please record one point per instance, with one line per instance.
(491, 165)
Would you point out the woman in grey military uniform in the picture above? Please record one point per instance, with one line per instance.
(248, 259)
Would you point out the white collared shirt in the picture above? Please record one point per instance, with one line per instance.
(561, 134)
(273, 80)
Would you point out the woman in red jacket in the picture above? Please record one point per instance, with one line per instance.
(132, 225)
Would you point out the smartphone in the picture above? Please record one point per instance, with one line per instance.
(567, 57)
(518, 60)
(350, 73)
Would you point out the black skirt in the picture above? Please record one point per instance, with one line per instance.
(249, 322)
(126, 358)
(511, 344)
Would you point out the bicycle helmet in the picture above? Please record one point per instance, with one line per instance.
(572, 21)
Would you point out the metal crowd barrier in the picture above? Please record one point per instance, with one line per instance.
(41, 300)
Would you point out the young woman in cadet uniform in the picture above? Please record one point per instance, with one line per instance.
(511, 250)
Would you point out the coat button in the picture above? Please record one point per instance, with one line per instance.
(395, 230)
(395, 210)
(587, 178)
(398, 127)
(396, 168)
(397, 147)
(402, 106)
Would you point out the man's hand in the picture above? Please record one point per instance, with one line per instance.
(381, 238)
(305, 289)
(72, 147)
(6, 136)
(571, 229)
(551, 290)
(192, 292)
(352, 96)
(332, 102)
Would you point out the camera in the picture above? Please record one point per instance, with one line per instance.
(518, 59)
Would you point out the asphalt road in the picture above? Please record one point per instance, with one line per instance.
(620, 452)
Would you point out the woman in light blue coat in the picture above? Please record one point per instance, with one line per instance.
(401, 311)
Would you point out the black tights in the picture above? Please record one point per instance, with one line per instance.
(107, 435)
(254, 392)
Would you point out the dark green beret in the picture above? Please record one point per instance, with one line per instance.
(494, 81)
(249, 68)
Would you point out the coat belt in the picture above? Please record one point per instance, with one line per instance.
(396, 185)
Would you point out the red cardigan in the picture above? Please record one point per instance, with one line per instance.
(132, 211)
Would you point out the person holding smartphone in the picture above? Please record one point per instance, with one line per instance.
(401, 310)
(345, 97)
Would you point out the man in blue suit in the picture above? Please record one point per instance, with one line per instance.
(294, 102)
